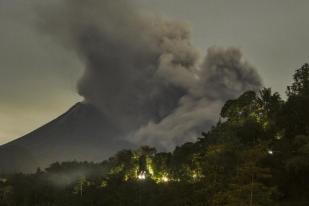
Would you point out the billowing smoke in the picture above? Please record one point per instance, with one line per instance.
(143, 72)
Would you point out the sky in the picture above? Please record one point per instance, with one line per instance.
(38, 77)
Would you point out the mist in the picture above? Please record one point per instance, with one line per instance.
(142, 70)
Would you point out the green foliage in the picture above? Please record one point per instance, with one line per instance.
(295, 113)
(300, 86)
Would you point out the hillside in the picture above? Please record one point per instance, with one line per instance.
(82, 133)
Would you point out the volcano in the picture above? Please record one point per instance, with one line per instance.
(82, 133)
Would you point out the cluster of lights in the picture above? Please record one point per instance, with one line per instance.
(143, 175)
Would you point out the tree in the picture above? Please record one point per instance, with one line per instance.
(161, 167)
(81, 185)
(124, 165)
(5, 191)
(248, 187)
(294, 118)
(300, 86)
(297, 170)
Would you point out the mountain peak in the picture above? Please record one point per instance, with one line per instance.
(82, 133)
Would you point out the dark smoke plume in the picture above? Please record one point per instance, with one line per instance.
(143, 72)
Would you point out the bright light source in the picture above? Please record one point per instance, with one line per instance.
(165, 179)
(270, 152)
(142, 175)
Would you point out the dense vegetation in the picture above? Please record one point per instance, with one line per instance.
(257, 154)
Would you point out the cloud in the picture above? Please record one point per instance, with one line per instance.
(222, 76)
(142, 70)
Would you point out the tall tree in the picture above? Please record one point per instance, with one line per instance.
(295, 114)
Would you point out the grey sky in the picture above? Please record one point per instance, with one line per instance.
(38, 77)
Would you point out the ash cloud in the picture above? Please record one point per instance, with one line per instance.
(142, 70)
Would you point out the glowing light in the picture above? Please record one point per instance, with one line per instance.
(104, 183)
(150, 169)
(270, 152)
(278, 136)
(165, 179)
(194, 175)
(142, 175)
